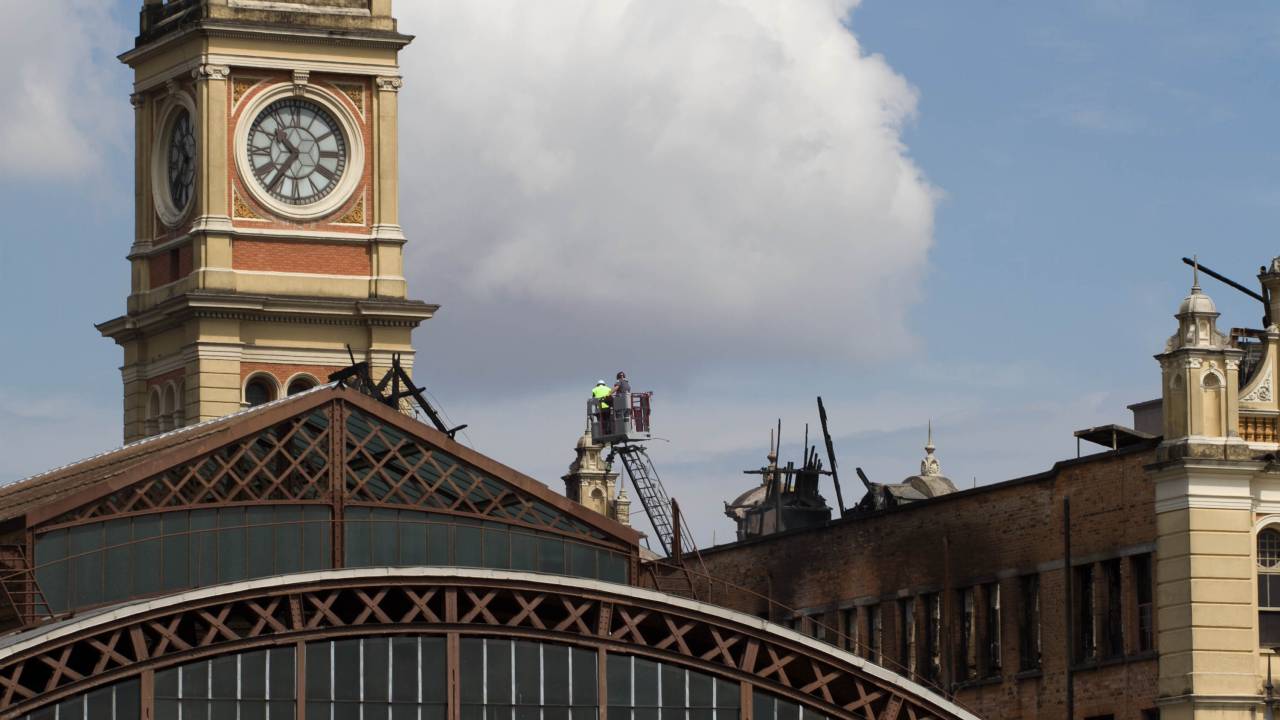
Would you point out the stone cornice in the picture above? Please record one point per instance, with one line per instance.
(276, 34)
(322, 311)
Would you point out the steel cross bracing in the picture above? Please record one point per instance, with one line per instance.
(644, 478)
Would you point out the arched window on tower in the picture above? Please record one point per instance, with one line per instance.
(301, 383)
(154, 411)
(260, 389)
(179, 401)
(1269, 587)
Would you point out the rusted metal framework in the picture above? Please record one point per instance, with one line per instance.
(331, 447)
(75, 656)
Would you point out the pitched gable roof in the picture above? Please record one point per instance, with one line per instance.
(49, 495)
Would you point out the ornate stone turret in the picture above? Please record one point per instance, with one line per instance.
(591, 483)
(1200, 382)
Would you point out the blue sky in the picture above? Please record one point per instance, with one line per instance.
(1072, 153)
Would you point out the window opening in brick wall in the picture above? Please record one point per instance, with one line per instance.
(907, 633)
(1113, 627)
(1085, 641)
(875, 632)
(932, 669)
(1029, 623)
(967, 655)
(991, 641)
(1269, 588)
(849, 626)
(1143, 593)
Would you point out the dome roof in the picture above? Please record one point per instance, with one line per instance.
(1197, 302)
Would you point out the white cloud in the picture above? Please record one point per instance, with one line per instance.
(60, 109)
(703, 173)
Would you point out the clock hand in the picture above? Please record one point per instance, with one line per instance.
(283, 137)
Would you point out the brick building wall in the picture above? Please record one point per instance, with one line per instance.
(986, 545)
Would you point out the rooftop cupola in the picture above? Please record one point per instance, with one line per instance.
(1200, 380)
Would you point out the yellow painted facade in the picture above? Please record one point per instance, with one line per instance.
(1216, 490)
(235, 280)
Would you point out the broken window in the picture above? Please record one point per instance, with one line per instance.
(907, 633)
(1029, 623)
(967, 658)
(931, 666)
(875, 633)
(1143, 592)
(1084, 644)
(991, 640)
(1113, 628)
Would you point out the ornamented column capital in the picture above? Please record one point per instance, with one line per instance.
(389, 83)
(137, 100)
(210, 72)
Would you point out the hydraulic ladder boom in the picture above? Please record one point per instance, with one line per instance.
(644, 478)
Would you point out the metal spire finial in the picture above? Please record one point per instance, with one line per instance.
(1195, 273)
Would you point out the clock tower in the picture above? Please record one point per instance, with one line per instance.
(267, 235)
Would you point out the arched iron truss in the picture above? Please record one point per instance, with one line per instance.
(70, 657)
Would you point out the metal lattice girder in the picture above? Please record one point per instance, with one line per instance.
(73, 656)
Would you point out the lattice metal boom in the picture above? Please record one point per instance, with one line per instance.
(644, 478)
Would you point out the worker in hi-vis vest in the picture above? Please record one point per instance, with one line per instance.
(601, 393)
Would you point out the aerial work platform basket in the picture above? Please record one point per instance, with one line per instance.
(626, 419)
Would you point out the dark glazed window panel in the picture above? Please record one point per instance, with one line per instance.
(586, 675)
(316, 538)
(467, 548)
(413, 538)
(434, 672)
(86, 564)
(727, 694)
(318, 665)
(377, 672)
(288, 542)
(281, 674)
(763, 706)
(613, 567)
(498, 671)
(1269, 628)
(496, 554)
(527, 661)
(146, 554)
(204, 546)
(118, 534)
(195, 680)
(128, 702)
(176, 550)
(253, 674)
(701, 690)
(673, 689)
(231, 544)
(101, 704)
(551, 555)
(582, 560)
(167, 683)
(644, 683)
(346, 670)
(51, 567)
(471, 656)
(260, 535)
(438, 552)
(555, 674)
(524, 551)
(72, 709)
(618, 674)
(224, 677)
(356, 534)
(404, 669)
(382, 537)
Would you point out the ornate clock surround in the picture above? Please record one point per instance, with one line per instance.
(167, 114)
(351, 128)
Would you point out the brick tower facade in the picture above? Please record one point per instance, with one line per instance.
(267, 235)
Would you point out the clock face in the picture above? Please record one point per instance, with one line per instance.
(182, 160)
(296, 151)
